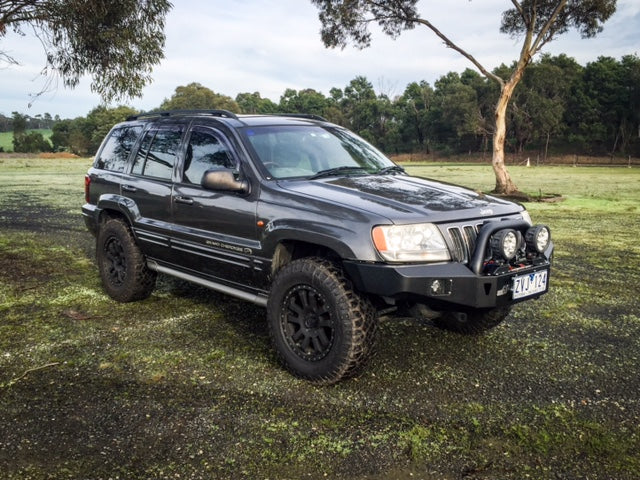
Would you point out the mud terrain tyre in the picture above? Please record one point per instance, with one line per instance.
(123, 268)
(322, 330)
(472, 322)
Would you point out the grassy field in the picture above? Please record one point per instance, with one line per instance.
(6, 141)
(185, 384)
(6, 138)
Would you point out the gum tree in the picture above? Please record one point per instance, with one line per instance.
(534, 22)
(116, 42)
(197, 96)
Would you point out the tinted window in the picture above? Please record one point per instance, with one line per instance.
(204, 152)
(141, 156)
(157, 153)
(115, 152)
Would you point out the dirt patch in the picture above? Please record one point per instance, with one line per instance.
(523, 197)
(58, 155)
(43, 155)
(24, 211)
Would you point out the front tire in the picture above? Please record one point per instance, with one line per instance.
(322, 330)
(472, 322)
(122, 266)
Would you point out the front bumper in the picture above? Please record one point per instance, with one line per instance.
(457, 285)
(454, 285)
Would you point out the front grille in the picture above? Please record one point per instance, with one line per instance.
(463, 241)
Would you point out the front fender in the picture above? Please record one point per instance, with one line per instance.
(347, 243)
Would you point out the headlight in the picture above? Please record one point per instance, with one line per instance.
(421, 242)
(538, 238)
(504, 244)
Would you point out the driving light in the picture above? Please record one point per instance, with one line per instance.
(538, 238)
(504, 244)
(421, 242)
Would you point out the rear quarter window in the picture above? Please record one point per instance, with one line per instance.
(116, 149)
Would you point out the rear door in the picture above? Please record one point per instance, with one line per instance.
(149, 187)
(215, 231)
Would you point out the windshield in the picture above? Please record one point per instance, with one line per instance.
(314, 151)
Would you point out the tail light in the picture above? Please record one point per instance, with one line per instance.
(87, 184)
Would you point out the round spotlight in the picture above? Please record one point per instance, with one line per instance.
(504, 244)
(538, 238)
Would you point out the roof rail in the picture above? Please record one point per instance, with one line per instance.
(168, 113)
(310, 116)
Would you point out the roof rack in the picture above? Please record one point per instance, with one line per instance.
(310, 116)
(168, 113)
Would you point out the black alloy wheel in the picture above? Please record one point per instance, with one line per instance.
(307, 323)
(117, 262)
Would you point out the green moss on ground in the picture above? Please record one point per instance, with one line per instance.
(185, 384)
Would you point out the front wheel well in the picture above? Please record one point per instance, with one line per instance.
(290, 250)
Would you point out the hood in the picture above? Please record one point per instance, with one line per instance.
(404, 199)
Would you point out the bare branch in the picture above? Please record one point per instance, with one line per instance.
(8, 59)
(27, 372)
(540, 39)
(525, 53)
(462, 52)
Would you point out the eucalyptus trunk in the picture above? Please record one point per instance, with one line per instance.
(504, 183)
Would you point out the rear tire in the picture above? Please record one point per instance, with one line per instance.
(122, 266)
(472, 322)
(322, 330)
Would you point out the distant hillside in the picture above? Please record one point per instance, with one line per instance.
(6, 138)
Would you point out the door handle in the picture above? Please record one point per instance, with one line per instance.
(129, 188)
(185, 200)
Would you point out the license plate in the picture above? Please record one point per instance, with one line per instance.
(529, 284)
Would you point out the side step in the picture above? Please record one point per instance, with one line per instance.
(259, 300)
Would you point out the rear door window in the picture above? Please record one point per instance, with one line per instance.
(157, 154)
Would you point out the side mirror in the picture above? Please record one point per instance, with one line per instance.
(224, 179)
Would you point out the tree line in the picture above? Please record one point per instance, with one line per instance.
(118, 44)
(558, 107)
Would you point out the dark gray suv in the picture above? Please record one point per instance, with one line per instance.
(310, 221)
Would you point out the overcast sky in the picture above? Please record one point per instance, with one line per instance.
(271, 45)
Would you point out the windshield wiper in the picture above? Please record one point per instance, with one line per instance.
(337, 171)
(391, 169)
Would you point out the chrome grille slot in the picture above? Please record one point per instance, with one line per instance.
(457, 252)
(463, 241)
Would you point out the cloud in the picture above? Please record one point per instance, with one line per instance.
(271, 45)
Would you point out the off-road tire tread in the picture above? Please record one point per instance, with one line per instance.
(360, 311)
(140, 280)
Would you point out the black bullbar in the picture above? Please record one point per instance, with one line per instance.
(446, 285)
(477, 260)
